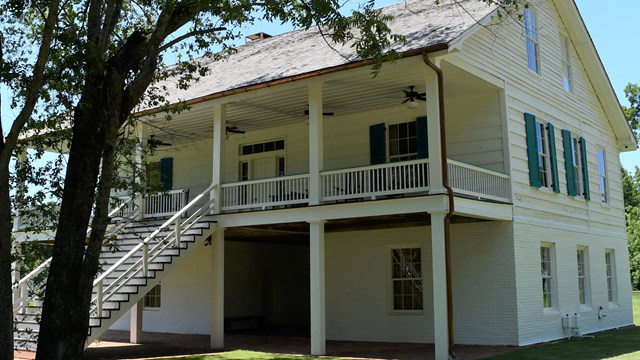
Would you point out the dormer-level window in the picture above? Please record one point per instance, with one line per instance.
(567, 80)
(531, 34)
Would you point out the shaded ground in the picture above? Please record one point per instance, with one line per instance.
(114, 346)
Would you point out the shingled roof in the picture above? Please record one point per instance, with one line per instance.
(424, 24)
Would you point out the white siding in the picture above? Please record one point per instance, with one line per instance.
(540, 214)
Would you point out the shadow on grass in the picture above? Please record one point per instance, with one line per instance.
(247, 355)
(622, 344)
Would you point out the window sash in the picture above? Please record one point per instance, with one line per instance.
(403, 142)
(602, 175)
(577, 164)
(544, 161)
(567, 80)
(406, 279)
(546, 267)
(609, 269)
(582, 277)
(531, 39)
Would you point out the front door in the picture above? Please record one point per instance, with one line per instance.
(263, 168)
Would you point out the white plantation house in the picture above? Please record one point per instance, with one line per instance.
(325, 191)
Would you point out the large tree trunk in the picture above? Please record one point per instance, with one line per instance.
(64, 324)
(6, 303)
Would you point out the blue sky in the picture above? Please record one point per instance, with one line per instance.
(612, 27)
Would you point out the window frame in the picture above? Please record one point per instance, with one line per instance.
(578, 175)
(549, 298)
(393, 280)
(610, 275)
(531, 37)
(584, 278)
(544, 154)
(567, 69)
(394, 142)
(153, 299)
(603, 178)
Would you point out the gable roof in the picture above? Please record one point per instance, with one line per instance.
(425, 25)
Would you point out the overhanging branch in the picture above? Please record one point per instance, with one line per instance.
(190, 34)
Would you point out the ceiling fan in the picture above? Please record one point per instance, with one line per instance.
(234, 130)
(411, 96)
(154, 143)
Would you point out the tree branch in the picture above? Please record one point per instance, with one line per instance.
(33, 89)
(190, 34)
(111, 17)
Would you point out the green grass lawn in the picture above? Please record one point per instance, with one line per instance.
(613, 345)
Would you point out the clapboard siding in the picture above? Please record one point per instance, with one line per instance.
(500, 50)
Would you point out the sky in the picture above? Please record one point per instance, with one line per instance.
(612, 27)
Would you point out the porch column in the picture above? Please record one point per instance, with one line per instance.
(316, 263)
(15, 266)
(135, 327)
(438, 256)
(142, 137)
(316, 148)
(217, 289)
(433, 129)
(22, 188)
(219, 131)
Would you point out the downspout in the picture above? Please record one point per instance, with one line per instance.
(447, 218)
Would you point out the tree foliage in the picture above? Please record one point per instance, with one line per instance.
(77, 69)
(632, 112)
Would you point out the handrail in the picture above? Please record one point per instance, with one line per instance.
(20, 301)
(103, 294)
(477, 168)
(373, 167)
(259, 181)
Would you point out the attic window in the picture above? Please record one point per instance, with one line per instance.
(531, 32)
(257, 36)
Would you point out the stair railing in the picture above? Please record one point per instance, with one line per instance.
(29, 285)
(147, 252)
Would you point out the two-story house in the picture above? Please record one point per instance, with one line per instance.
(484, 161)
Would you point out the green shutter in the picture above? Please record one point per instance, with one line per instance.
(377, 144)
(552, 157)
(166, 173)
(568, 163)
(585, 168)
(532, 150)
(422, 141)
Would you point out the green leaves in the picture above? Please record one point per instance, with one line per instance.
(632, 92)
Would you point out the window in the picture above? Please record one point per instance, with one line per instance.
(403, 144)
(153, 175)
(541, 152)
(546, 267)
(406, 279)
(262, 147)
(583, 276)
(244, 170)
(602, 175)
(531, 33)
(609, 260)
(575, 161)
(281, 164)
(543, 155)
(159, 174)
(152, 299)
(567, 79)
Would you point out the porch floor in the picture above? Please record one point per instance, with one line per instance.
(113, 345)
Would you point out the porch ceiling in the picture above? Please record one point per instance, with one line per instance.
(344, 93)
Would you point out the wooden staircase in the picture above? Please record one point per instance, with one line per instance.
(133, 261)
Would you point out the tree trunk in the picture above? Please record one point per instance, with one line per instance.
(6, 298)
(65, 323)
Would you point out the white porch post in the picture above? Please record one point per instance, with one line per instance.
(219, 131)
(20, 162)
(15, 266)
(316, 148)
(316, 263)
(433, 129)
(142, 137)
(438, 258)
(217, 289)
(135, 328)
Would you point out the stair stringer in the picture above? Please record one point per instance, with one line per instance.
(142, 290)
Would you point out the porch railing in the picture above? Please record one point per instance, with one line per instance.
(285, 190)
(478, 182)
(164, 204)
(377, 180)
